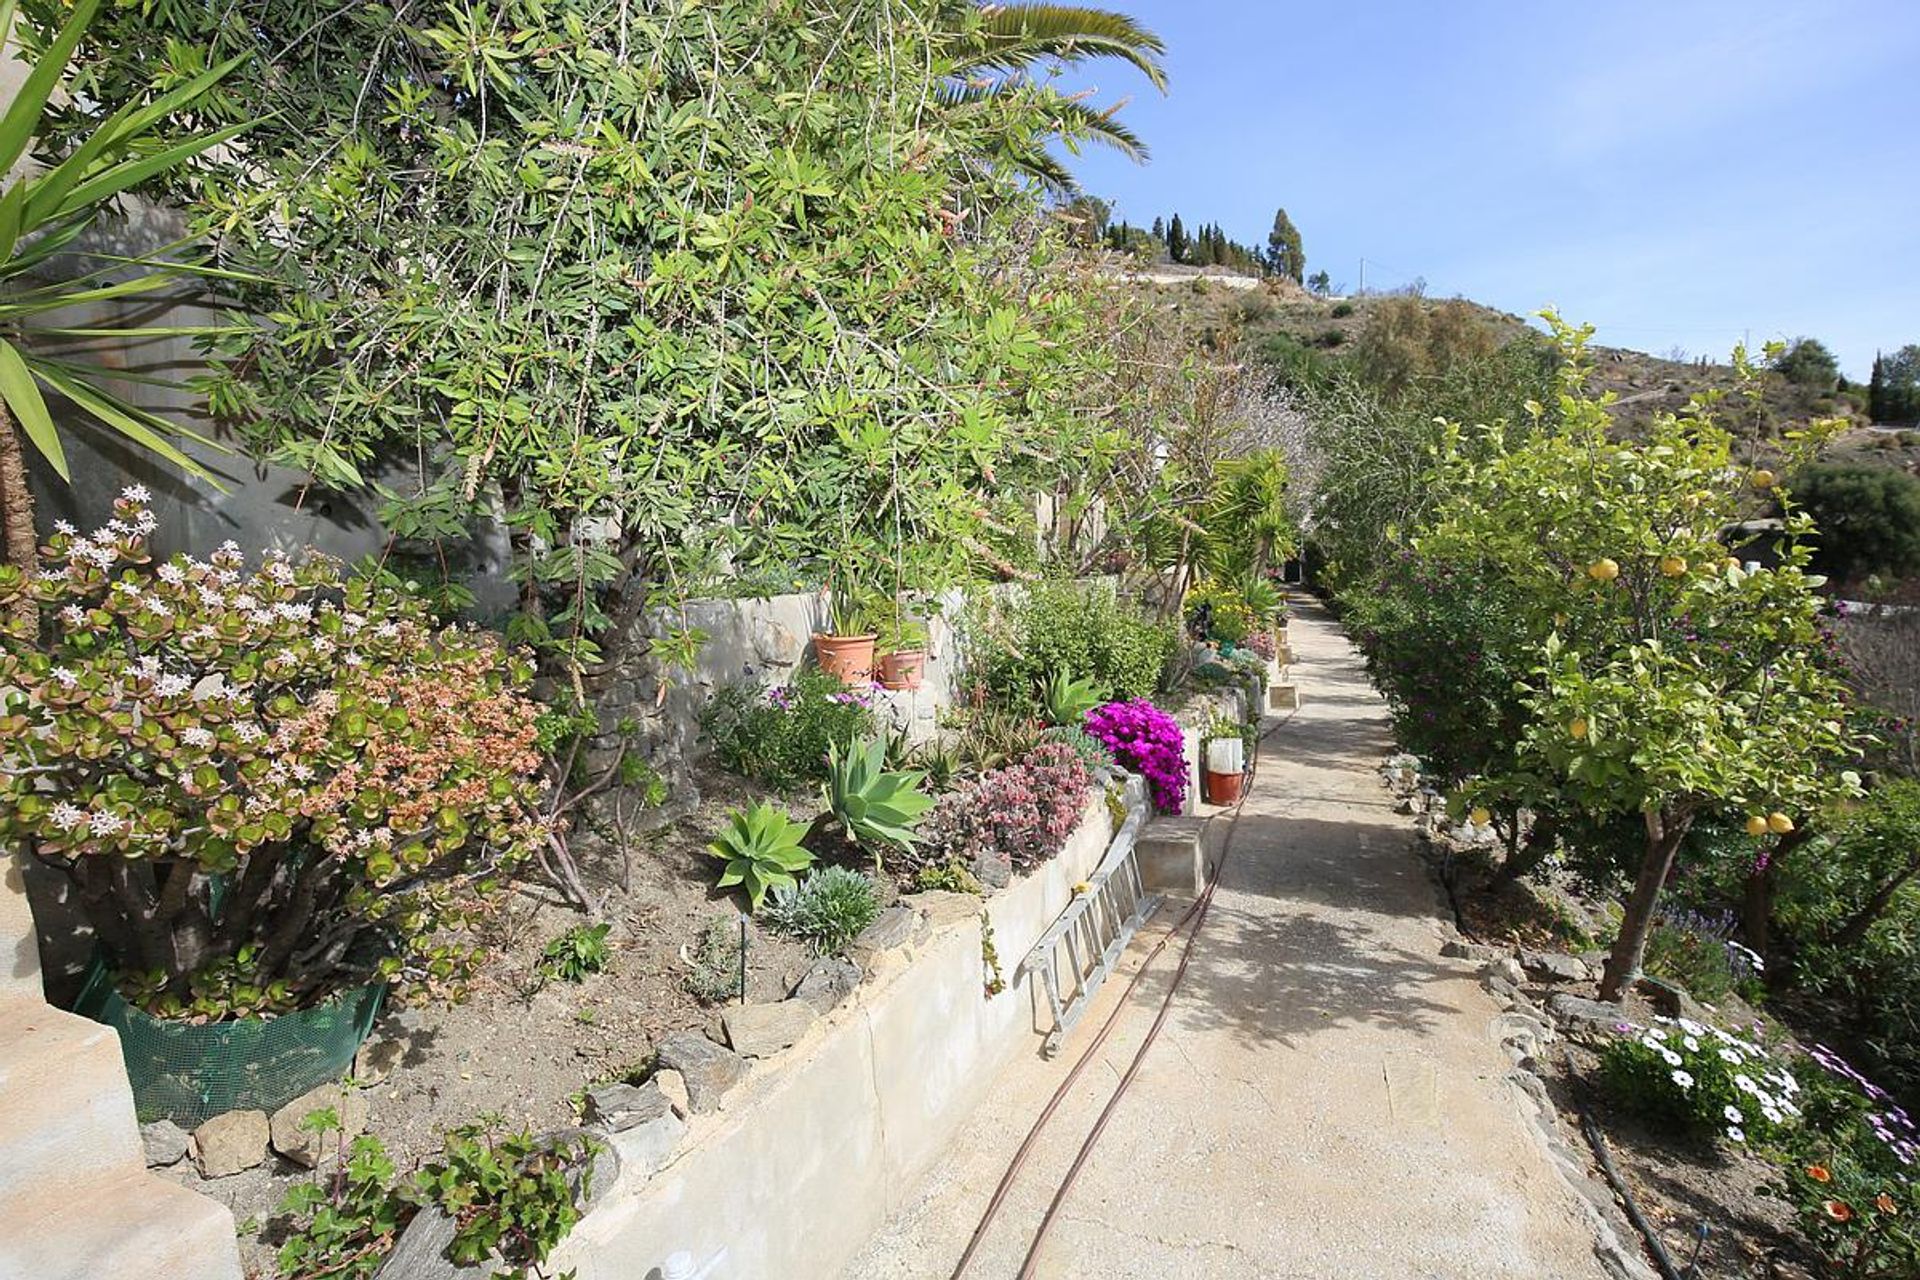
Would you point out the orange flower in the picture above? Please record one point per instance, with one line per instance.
(1818, 1172)
(1838, 1210)
(1884, 1203)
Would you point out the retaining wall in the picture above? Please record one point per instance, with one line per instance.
(818, 1146)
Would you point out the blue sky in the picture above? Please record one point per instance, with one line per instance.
(1680, 174)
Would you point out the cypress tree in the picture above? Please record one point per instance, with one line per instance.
(1176, 240)
(1877, 390)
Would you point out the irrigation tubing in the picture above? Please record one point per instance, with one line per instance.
(1198, 909)
(1654, 1246)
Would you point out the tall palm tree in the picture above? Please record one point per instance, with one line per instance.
(1012, 39)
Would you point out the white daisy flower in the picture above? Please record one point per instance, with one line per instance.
(1683, 1079)
(1732, 1113)
(1673, 1059)
(105, 557)
(74, 616)
(1693, 1045)
(135, 493)
(1745, 1084)
(1692, 1028)
(1730, 1056)
(1735, 1132)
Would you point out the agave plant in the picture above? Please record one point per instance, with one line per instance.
(877, 808)
(42, 214)
(763, 850)
(1065, 700)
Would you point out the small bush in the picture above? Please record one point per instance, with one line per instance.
(1020, 815)
(1341, 310)
(1093, 753)
(1702, 1079)
(713, 973)
(950, 877)
(1697, 952)
(1110, 643)
(781, 736)
(827, 911)
(580, 951)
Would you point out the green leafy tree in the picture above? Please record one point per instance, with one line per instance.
(1894, 391)
(1808, 363)
(43, 214)
(1320, 283)
(1670, 683)
(657, 292)
(1285, 257)
(1867, 519)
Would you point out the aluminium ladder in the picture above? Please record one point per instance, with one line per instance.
(1076, 954)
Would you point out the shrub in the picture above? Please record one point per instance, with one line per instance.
(280, 775)
(827, 911)
(1849, 1173)
(1093, 753)
(761, 847)
(950, 877)
(1703, 1079)
(580, 951)
(781, 736)
(1092, 633)
(1697, 951)
(1065, 700)
(1868, 519)
(1228, 618)
(713, 970)
(1020, 815)
(1341, 310)
(1148, 741)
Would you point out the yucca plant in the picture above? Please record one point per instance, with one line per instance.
(877, 808)
(42, 214)
(762, 848)
(1065, 700)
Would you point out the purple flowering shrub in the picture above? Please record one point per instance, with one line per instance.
(1148, 741)
(1019, 815)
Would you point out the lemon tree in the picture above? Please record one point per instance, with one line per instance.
(1671, 680)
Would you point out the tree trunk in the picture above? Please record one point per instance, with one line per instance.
(22, 545)
(1854, 931)
(1756, 900)
(1664, 835)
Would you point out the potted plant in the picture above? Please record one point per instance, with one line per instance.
(273, 794)
(845, 649)
(1223, 748)
(902, 646)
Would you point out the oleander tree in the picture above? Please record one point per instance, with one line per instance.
(1671, 681)
(666, 289)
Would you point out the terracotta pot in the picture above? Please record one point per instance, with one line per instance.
(850, 658)
(902, 669)
(1224, 788)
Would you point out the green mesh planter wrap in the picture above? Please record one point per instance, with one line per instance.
(187, 1073)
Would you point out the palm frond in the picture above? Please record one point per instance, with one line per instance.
(1016, 36)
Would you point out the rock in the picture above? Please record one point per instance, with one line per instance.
(646, 1148)
(306, 1148)
(827, 983)
(421, 1252)
(1523, 1033)
(376, 1061)
(1670, 1000)
(165, 1143)
(1458, 949)
(230, 1143)
(707, 1069)
(1552, 966)
(762, 1030)
(1581, 1016)
(615, 1108)
(674, 1086)
(895, 927)
(992, 870)
(1505, 968)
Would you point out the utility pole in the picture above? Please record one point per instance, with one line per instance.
(1363, 275)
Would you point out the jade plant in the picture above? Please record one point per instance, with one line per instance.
(263, 784)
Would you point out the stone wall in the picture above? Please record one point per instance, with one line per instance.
(812, 1152)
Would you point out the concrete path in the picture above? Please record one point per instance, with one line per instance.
(1325, 1099)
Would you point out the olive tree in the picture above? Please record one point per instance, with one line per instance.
(1671, 681)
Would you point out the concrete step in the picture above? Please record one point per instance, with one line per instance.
(133, 1227)
(1283, 697)
(66, 1109)
(1172, 855)
(19, 945)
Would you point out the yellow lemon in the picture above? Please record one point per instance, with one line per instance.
(1756, 825)
(1603, 570)
(1779, 823)
(1673, 566)
(1578, 728)
(1762, 479)
(1480, 817)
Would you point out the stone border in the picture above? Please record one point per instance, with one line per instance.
(786, 1164)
